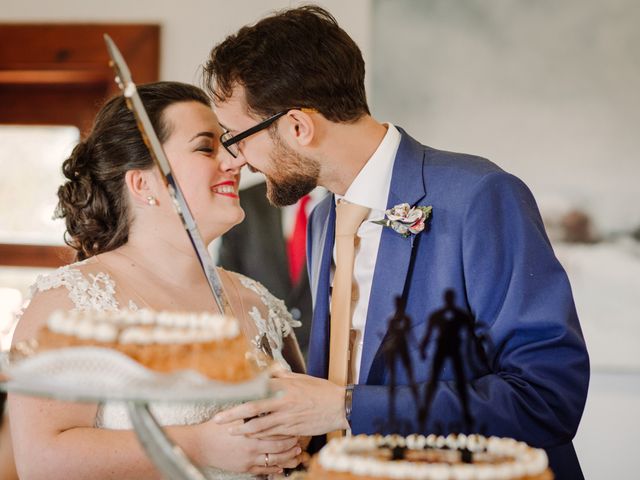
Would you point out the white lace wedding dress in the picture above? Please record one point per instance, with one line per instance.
(96, 290)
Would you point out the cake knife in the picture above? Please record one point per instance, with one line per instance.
(125, 82)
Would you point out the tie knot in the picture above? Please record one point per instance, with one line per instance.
(349, 216)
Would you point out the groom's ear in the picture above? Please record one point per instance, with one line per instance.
(301, 126)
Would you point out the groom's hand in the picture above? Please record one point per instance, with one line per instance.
(306, 406)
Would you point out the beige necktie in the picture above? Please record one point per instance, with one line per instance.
(349, 217)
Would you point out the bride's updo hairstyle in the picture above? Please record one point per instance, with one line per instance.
(93, 201)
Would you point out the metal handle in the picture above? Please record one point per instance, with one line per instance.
(166, 455)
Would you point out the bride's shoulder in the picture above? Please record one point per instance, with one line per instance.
(252, 292)
(253, 288)
(249, 284)
(86, 283)
(65, 288)
(71, 276)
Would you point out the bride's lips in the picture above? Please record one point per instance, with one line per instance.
(226, 189)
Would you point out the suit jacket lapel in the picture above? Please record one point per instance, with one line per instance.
(321, 269)
(394, 253)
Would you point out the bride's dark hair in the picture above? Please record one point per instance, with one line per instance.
(93, 201)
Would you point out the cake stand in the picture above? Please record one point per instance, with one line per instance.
(98, 375)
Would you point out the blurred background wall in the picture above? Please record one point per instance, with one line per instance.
(548, 90)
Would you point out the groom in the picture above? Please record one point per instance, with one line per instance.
(289, 91)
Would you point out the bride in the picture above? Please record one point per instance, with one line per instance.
(133, 253)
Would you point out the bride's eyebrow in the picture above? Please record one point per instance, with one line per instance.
(202, 134)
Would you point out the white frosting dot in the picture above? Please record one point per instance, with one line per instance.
(462, 472)
(451, 441)
(439, 471)
(135, 335)
(84, 329)
(105, 332)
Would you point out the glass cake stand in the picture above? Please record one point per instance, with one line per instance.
(98, 375)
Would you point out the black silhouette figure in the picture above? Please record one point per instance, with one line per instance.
(449, 321)
(396, 346)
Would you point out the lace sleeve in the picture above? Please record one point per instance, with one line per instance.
(279, 317)
(91, 292)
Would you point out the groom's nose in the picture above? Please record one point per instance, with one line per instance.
(229, 163)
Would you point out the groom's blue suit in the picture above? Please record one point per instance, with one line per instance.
(486, 241)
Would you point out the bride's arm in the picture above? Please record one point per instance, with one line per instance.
(292, 354)
(55, 440)
(58, 440)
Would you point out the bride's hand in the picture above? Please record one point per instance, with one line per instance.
(218, 448)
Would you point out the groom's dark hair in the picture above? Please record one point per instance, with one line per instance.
(294, 58)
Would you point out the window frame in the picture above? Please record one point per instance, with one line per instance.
(59, 74)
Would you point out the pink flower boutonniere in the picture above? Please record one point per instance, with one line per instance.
(406, 220)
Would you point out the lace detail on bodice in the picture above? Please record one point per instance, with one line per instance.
(276, 326)
(97, 291)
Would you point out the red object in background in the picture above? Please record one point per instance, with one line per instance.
(296, 245)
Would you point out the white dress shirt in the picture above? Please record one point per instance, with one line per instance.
(370, 188)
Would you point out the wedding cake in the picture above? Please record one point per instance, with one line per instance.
(162, 341)
(455, 457)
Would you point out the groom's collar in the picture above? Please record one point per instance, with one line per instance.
(407, 180)
(370, 188)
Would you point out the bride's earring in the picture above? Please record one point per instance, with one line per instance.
(151, 200)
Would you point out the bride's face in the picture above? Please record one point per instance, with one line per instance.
(207, 179)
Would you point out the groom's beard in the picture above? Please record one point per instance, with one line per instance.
(294, 175)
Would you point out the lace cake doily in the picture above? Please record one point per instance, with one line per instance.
(98, 374)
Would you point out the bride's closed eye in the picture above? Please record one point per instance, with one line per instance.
(207, 148)
(204, 142)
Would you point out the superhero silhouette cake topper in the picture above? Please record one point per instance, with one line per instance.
(449, 341)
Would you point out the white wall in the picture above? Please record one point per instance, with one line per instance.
(546, 89)
(608, 433)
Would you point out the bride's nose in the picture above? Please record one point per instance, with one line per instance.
(229, 163)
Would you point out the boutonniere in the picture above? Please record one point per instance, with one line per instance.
(406, 220)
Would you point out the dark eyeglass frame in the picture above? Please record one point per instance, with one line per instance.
(228, 141)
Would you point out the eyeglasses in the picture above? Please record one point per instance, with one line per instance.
(230, 142)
